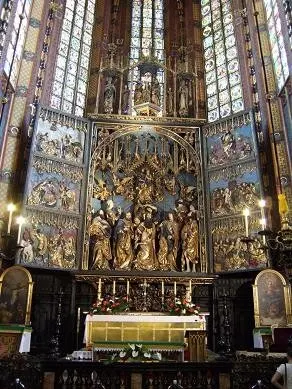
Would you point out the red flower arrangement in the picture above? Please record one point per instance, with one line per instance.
(109, 305)
(182, 307)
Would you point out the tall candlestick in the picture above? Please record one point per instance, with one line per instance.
(128, 288)
(20, 221)
(10, 208)
(174, 288)
(246, 214)
(114, 287)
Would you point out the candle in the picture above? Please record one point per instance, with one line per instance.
(10, 208)
(162, 288)
(174, 289)
(128, 287)
(262, 204)
(78, 319)
(190, 287)
(263, 227)
(246, 214)
(263, 223)
(99, 285)
(20, 221)
(114, 287)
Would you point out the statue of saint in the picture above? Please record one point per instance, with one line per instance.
(189, 236)
(138, 94)
(109, 96)
(124, 248)
(155, 93)
(169, 236)
(41, 243)
(183, 98)
(101, 230)
(146, 256)
(125, 99)
(146, 93)
(170, 102)
(69, 252)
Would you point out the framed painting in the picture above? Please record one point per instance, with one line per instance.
(15, 296)
(271, 295)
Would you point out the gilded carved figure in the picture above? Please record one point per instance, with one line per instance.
(146, 256)
(183, 98)
(189, 237)
(101, 231)
(109, 96)
(125, 99)
(155, 93)
(138, 93)
(41, 243)
(68, 197)
(169, 236)
(124, 246)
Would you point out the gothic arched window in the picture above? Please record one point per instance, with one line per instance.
(223, 81)
(147, 38)
(71, 74)
(278, 50)
(17, 40)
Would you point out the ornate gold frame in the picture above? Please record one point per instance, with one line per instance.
(260, 320)
(29, 290)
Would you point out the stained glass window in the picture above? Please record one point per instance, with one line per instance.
(288, 13)
(16, 44)
(70, 82)
(223, 81)
(147, 38)
(278, 50)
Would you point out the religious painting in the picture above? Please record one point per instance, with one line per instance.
(15, 296)
(47, 246)
(271, 295)
(229, 196)
(232, 145)
(54, 191)
(59, 141)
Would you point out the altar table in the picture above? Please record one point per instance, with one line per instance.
(157, 332)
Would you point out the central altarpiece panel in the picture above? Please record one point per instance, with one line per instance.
(145, 200)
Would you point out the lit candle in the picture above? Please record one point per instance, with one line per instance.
(190, 287)
(10, 208)
(128, 287)
(263, 223)
(262, 204)
(174, 289)
(78, 319)
(246, 214)
(162, 288)
(263, 227)
(99, 285)
(114, 287)
(20, 221)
